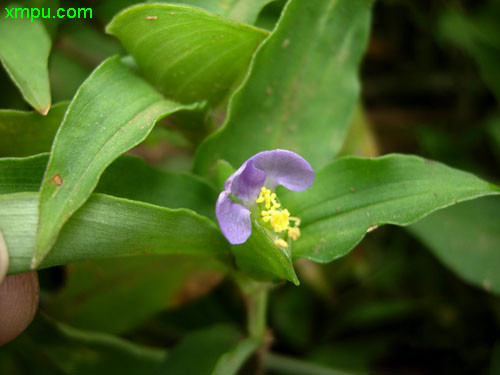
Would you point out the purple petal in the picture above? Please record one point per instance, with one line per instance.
(234, 219)
(246, 182)
(285, 168)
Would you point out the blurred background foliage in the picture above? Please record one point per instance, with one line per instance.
(395, 305)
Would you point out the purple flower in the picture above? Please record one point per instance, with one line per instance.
(249, 192)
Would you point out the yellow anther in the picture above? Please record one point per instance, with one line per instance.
(279, 220)
(268, 198)
(294, 233)
(281, 243)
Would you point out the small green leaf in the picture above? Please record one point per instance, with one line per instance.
(188, 54)
(24, 52)
(108, 227)
(301, 89)
(465, 238)
(353, 195)
(96, 290)
(260, 258)
(51, 347)
(243, 11)
(127, 177)
(231, 362)
(113, 111)
(28, 133)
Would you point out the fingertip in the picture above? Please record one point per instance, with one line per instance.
(19, 296)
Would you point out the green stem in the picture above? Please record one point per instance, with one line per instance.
(257, 311)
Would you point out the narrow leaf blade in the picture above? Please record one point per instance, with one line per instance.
(127, 177)
(24, 53)
(113, 111)
(353, 195)
(108, 227)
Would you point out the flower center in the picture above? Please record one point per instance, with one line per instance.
(278, 218)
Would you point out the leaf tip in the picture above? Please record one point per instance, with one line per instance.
(44, 111)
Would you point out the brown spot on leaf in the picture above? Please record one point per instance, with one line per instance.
(285, 43)
(151, 17)
(56, 179)
(352, 190)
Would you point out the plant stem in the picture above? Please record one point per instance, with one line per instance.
(257, 312)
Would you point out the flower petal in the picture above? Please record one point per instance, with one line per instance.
(283, 167)
(234, 219)
(246, 182)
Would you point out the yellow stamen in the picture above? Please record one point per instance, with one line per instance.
(294, 233)
(281, 243)
(278, 218)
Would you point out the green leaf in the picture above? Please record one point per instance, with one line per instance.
(113, 111)
(127, 177)
(50, 347)
(243, 11)
(28, 133)
(188, 54)
(230, 363)
(465, 238)
(24, 52)
(108, 227)
(200, 352)
(353, 195)
(97, 290)
(301, 89)
(22, 174)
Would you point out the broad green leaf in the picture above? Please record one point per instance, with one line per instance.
(353, 195)
(24, 52)
(96, 290)
(127, 177)
(466, 238)
(28, 133)
(200, 352)
(243, 11)
(108, 227)
(188, 54)
(301, 89)
(50, 347)
(113, 111)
